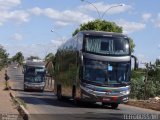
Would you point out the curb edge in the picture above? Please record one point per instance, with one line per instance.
(22, 111)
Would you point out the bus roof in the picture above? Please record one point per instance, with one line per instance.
(102, 33)
(35, 64)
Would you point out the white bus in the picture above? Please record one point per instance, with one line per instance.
(95, 66)
(34, 75)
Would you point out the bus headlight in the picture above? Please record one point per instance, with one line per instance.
(126, 92)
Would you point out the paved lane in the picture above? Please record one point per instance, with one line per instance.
(46, 106)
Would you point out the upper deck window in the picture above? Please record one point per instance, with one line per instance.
(107, 45)
(35, 70)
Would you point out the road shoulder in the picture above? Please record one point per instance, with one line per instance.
(7, 106)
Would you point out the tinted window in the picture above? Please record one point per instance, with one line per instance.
(107, 45)
(106, 72)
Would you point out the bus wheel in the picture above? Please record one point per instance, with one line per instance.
(114, 105)
(73, 91)
(59, 92)
(78, 102)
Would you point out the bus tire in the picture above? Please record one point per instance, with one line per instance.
(114, 105)
(78, 102)
(59, 92)
(74, 92)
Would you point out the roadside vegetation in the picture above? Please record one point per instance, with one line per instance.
(49, 60)
(3, 58)
(145, 83)
(19, 58)
(33, 57)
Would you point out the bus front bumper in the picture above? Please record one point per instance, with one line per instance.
(91, 97)
(34, 87)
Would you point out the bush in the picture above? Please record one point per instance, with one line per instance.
(152, 84)
(137, 89)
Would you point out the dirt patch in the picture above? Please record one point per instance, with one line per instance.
(2, 74)
(145, 104)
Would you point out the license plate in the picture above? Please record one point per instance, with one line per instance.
(106, 99)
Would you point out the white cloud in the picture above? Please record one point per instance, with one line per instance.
(56, 43)
(156, 21)
(16, 16)
(36, 11)
(17, 37)
(8, 4)
(7, 14)
(159, 46)
(106, 8)
(146, 16)
(129, 27)
(62, 18)
(38, 49)
(28, 50)
(60, 23)
(20, 16)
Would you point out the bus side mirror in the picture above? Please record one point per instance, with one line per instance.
(135, 62)
(81, 58)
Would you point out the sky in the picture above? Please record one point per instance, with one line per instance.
(38, 27)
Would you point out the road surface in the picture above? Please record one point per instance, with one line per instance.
(45, 105)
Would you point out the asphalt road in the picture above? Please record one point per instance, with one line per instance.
(45, 105)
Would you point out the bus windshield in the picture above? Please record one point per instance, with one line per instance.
(34, 74)
(106, 72)
(34, 79)
(107, 45)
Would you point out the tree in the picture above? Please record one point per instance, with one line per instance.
(33, 57)
(132, 45)
(49, 56)
(137, 84)
(157, 63)
(3, 58)
(19, 58)
(49, 59)
(102, 25)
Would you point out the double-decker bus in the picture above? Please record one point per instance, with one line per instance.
(34, 75)
(95, 66)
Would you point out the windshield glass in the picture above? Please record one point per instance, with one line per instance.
(34, 74)
(34, 79)
(35, 70)
(106, 72)
(107, 45)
